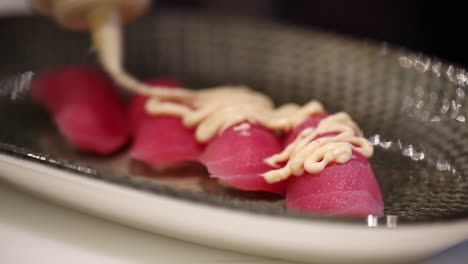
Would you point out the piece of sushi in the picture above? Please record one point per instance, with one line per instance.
(236, 157)
(85, 106)
(348, 189)
(160, 140)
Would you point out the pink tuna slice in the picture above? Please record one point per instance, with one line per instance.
(348, 189)
(85, 107)
(59, 87)
(160, 140)
(237, 158)
(92, 127)
(136, 111)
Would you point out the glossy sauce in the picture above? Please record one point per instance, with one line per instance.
(212, 110)
(306, 153)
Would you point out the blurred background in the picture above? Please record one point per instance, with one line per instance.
(437, 28)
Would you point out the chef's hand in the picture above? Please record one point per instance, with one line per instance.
(74, 14)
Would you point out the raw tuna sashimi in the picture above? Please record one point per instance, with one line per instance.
(85, 106)
(236, 157)
(312, 121)
(348, 189)
(160, 140)
(136, 109)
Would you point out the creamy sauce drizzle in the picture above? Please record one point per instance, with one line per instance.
(307, 154)
(212, 110)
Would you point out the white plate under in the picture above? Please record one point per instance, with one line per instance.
(278, 237)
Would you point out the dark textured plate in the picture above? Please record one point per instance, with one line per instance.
(412, 108)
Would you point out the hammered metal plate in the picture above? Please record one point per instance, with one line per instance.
(412, 107)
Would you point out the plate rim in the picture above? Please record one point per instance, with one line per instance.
(305, 240)
(151, 187)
